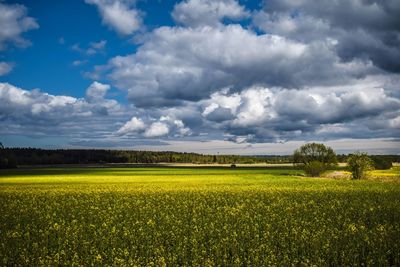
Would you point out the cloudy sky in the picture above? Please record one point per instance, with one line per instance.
(209, 76)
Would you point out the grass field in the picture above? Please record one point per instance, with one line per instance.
(197, 217)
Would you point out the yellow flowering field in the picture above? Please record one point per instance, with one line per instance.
(196, 217)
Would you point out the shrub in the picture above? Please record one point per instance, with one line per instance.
(314, 168)
(381, 163)
(358, 164)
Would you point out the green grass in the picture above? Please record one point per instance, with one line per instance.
(196, 217)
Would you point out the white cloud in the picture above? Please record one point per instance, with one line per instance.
(177, 63)
(5, 67)
(176, 126)
(207, 12)
(203, 60)
(31, 109)
(307, 77)
(157, 129)
(95, 48)
(119, 15)
(261, 114)
(366, 30)
(96, 91)
(292, 82)
(77, 63)
(301, 27)
(164, 126)
(92, 49)
(135, 125)
(18, 102)
(222, 99)
(256, 107)
(99, 45)
(14, 21)
(335, 107)
(395, 123)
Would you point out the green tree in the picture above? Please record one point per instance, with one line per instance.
(381, 163)
(6, 158)
(3, 158)
(314, 158)
(358, 164)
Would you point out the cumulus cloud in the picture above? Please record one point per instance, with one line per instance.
(5, 67)
(302, 27)
(296, 77)
(177, 64)
(96, 91)
(218, 114)
(371, 14)
(133, 126)
(302, 70)
(14, 22)
(175, 125)
(157, 129)
(271, 114)
(207, 12)
(119, 15)
(203, 60)
(333, 108)
(16, 101)
(164, 126)
(369, 30)
(35, 112)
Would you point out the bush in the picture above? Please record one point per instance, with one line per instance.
(381, 163)
(314, 168)
(358, 164)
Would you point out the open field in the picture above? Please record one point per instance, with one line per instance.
(197, 217)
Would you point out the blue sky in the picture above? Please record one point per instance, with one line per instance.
(47, 63)
(223, 76)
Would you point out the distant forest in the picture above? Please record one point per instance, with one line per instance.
(33, 156)
(11, 157)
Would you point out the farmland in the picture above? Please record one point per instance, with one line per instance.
(197, 217)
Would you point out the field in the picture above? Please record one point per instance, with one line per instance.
(197, 217)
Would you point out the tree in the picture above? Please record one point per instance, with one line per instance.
(314, 158)
(381, 163)
(7, 159)
(358, 164)
(3, 158)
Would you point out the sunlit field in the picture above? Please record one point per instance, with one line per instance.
(197, 217)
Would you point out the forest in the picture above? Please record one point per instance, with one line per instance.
(34, 156)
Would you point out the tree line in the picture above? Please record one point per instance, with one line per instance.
(11, 157)
(34, 156)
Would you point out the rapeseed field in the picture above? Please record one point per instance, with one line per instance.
(196, 217)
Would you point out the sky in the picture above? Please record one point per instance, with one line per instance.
(209, 76)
